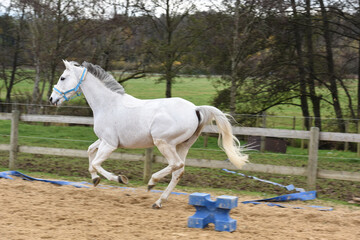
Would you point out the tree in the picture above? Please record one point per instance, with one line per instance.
(172, 36)
(57, 31)
(349, 14)
(112, 47)
(310, 66)
(256, 79)
(12, 49)
(332, 86)
(300, 65)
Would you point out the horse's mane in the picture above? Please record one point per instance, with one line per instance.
(106, 78)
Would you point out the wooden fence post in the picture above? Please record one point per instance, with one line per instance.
(14, 139)
(313, 158)
(346, 144)
(358, 145)
(206, 139)
(293, 141)
(303, 128)
(263, 138)
(149, 157)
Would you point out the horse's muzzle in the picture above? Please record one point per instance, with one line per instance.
(51, 100)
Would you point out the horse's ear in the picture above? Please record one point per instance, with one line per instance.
(67, 64)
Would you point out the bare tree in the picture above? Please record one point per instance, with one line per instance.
(332, 86)
(57, 31)
(300, 65)
(171, 40)
(311, 76)
(12, 49)
(243, 45)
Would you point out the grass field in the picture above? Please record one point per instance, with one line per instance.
(199, 90)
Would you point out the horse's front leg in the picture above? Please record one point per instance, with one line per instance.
(103, 152)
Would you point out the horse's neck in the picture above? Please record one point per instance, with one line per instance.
(97, 94)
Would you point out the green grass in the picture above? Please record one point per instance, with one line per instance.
(327, 111)
(199, 90)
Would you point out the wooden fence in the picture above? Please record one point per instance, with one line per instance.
(311, 171)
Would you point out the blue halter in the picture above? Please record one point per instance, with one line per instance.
(75, 89)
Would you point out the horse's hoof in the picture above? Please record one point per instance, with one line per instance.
(123, 179)
(96, 181)
(155, 206)
(150, 187)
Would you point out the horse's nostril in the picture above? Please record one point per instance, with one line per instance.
(50, 99)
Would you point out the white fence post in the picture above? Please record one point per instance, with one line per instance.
(14, 139)
(313, 158)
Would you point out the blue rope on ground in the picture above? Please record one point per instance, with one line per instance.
(288, 187)
(8, 174)
(301, 195)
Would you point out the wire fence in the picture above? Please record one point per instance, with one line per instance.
(329, 124)
(208, 149)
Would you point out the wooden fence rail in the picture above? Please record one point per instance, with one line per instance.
(311, 171)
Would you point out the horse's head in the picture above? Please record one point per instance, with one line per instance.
(68, 84)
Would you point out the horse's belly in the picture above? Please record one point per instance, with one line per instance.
(133, 135)
(137, 141)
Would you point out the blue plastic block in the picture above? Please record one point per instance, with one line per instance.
(209, 211)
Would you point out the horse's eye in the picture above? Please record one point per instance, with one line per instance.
(62, 78)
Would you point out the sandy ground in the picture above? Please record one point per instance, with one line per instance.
(37, 210)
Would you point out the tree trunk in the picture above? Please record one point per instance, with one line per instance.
(168, 79)
(358, 86)
(331, 71)
(301, 69)
(169, 57)
(234, 62)
(315, 99)
(51, 80)
(36, 91)
(13, 73)
(15, 60)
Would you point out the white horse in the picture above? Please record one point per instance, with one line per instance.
(123, 121)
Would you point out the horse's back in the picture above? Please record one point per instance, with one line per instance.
(135, 123)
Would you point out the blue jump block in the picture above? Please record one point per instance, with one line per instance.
(209, 211)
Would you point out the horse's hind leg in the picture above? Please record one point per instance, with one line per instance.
(104, 151)
(182, 150)
(175, 162)
(92, 153)
(176, 175)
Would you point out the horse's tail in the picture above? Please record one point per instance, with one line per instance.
(227, 141)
